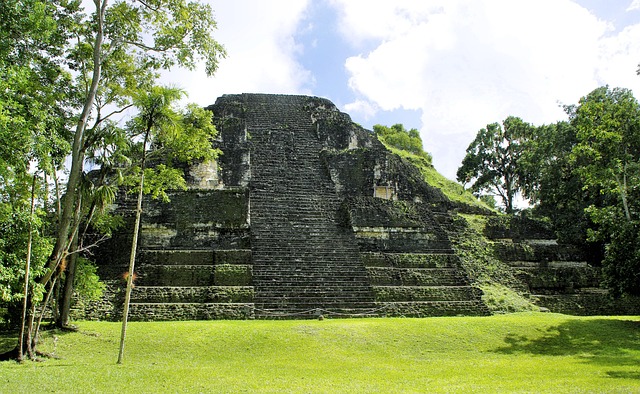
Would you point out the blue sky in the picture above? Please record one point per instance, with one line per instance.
(445, 67)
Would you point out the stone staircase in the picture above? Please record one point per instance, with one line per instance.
(303, 259)
(410, 262)
(422, 284)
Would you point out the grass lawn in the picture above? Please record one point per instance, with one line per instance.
(528, 352)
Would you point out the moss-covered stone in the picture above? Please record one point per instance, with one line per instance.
(233, 275)
(232, 256)
(409, 260)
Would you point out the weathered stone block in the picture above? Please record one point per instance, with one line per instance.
(233, 275)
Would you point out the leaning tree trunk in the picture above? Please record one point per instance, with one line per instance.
(27, 271)
(134, 248)
(72, 257)
(64, 239)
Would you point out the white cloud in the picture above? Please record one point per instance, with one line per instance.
(465, 64)
(619, 58)
(259, 37)
(635, 5)
(363, 108)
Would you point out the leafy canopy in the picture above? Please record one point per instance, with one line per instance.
(492, 160)
(398, 137)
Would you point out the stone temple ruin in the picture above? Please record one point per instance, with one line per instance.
(307, 213)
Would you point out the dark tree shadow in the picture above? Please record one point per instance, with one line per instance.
(608, 343)
(8, 340)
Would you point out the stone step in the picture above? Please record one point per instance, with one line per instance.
(588, 301)
(232, 256)
(314, 299)
(508, 250)
(426, 293)
(288, 285)
(548, 264)
(175, 275)
(288, 304)
(383, 276)
(192, 294)
(176, 257)
(304, 312)
(309, 274)
(560, 278)
(308, 287)
(410, 260)
(194, 275)
(433, 308)
(190, 311)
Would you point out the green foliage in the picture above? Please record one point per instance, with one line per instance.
(87, 283)
(13, 247)
(553, 184)
(175, 136)
(64, 75)
(14, 232)
(489, 201)
(398, 137)
(157, 181)
(408, 145)
(606, 160)
(582, 174)
(607, 155)
(621, 265)
(492, 160)
(525, 352)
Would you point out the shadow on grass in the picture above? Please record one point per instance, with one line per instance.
(8, 341)
(611, 343)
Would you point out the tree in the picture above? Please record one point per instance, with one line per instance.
(584, 175)
(116, 51)
(398, 137)
(492, 160)
(120, 50)
(35, 100)
(607, 160)
(553, 187)
(183, 136)
(608, 151)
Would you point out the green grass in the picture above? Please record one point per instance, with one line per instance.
(453, 190)
(531, 352)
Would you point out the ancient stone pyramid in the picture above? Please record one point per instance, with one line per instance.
(304, 214)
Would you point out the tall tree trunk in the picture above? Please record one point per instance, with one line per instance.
(622, 186)
(64, 239)
(70, 268)
(67, 292)
(134, 247)
(64, 232)
(56, 183)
